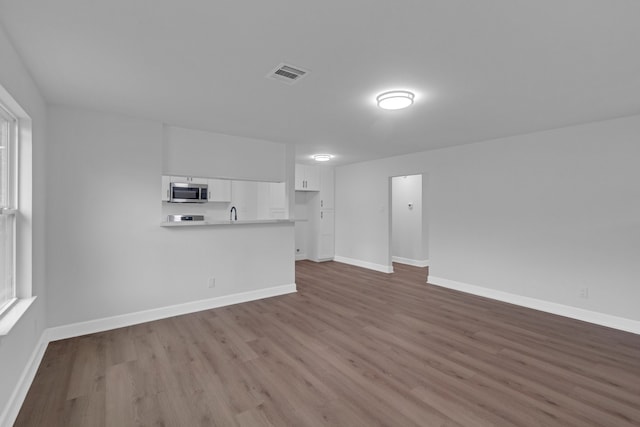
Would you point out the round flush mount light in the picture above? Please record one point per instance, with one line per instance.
(322, 157)
(395, 99)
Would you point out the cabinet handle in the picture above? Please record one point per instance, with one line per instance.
(321, 203)
(321, 216)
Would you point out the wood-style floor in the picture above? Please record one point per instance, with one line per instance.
(352, 348)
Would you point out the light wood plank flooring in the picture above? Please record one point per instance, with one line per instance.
(352, 348)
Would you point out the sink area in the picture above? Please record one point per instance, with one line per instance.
(224, 222)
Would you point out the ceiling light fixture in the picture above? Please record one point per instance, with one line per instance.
(395, 99)
(322, 157)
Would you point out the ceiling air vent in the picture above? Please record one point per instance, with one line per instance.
(287, 73)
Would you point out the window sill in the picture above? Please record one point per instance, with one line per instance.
(11, 317)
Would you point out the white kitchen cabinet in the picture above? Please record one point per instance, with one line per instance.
(277, 200)
(325, 236)
(321, 237)
(166, 188)
(319, 234)
(307, 178)
(326, 195)
(219, 190)
(272, 200)
(277, 195)
(300, 177)
(191, 179)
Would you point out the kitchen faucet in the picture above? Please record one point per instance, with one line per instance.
(233, 214)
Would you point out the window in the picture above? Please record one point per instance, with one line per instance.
(8, 205)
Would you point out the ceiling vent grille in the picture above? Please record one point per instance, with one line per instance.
(288, 73)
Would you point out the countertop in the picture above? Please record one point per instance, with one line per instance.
(225, 222)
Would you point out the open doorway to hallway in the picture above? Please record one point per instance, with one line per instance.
(408, 223)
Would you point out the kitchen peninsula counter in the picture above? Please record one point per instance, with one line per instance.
(224, 222)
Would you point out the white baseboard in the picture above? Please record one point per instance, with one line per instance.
(364, 264)
(595, 317)
(409, 261)
(107, 323)
(12, 407)
(320, 259)
(300, 257)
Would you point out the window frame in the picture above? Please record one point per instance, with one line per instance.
(9, 207)
(23, 213)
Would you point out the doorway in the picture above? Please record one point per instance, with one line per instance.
(408, 224)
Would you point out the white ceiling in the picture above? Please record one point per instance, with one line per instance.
(481, 69)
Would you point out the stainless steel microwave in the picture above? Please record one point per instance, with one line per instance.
(187, 192)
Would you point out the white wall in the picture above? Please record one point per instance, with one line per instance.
(540, 215)
(107, 253)
(208, 154)
(20, 344)
(407, 237)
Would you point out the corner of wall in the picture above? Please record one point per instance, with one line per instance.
(364, 264)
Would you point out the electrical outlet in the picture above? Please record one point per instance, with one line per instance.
(212, 282)
(584, 293)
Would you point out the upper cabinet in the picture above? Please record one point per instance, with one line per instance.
(219, 190)
(166, 188)
(189, 179)
(272, 200)
(307, 178)
(317, 178)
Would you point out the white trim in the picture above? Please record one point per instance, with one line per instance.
(320, 259)
(621, 323)
(107, 323)
(364, 264)
(13, 313)
(408, 261)
(12, 408)
(300, 257)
